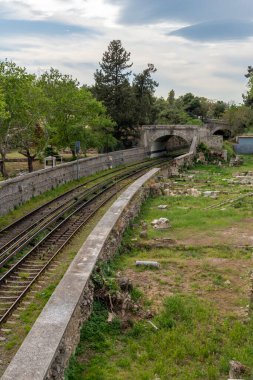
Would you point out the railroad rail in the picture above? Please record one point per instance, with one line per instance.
(12, 233)
(59, 226)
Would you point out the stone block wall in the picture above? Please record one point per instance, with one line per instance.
(213, 141)
(15, 191)
(184, 160)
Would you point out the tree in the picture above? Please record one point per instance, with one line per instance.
(74, 112)
(144, 88)
(14, 82)
(29, 132)
(171, 97)
(240, 117)
(219, 108)
(186, 109)
(248, 98)
(191, 104)
(3, 134)
(113, 88)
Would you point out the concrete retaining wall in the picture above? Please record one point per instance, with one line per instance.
(47, 348)
(14, 192)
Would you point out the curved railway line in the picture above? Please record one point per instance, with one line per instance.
(29, 245)
(10, 236)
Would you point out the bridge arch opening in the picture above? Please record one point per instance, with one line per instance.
(225, 133)
(169, 144)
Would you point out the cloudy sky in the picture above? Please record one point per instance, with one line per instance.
(198, 46)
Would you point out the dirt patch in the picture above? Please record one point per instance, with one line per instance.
(238, 235)
(224, 282)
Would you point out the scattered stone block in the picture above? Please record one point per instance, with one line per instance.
(237, 369)
(143, 234)
(236, 161)
(201, 157)
(168, 192)
(125, 284)
(110, 317)
(161, 224)
(193, 192)
(210, 194)
(186, 192)
(162, 207)
(153, 264)
(144, 225)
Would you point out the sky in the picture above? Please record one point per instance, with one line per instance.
(197, 46)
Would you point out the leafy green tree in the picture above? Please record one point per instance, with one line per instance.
(29, 132)
(171, 110)
(3, 134)
(112, 87)
(73, 112)
(219, 108)
(15, 83)
(239, 117)
(144, 88)
(186, 109)
(191, 104)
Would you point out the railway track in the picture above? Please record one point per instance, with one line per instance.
(10, 235)
(58, 228)
(26, 230)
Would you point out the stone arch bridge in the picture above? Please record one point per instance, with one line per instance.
(158, 139)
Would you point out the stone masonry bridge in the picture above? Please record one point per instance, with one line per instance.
(158, 139)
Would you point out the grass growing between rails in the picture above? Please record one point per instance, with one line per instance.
(198, 298)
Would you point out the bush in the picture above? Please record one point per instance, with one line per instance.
(229, 148)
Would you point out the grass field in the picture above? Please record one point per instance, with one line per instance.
(199, 297)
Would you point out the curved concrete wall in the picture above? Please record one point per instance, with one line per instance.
(15, 191)
(46, 350)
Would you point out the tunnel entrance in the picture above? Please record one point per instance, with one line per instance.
(225, 133)
(169, 144)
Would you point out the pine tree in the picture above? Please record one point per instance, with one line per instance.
(113, 88)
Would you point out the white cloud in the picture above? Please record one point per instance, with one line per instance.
(74, 11)
(214, 70)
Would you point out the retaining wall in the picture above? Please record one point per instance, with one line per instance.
(46, 350)
(15, 191)
(213, 142)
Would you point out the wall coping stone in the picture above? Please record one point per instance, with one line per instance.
(36, 354)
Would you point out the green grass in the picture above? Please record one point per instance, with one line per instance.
(188, 215)
(190, 344)
(199, 332)
(15, 154)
